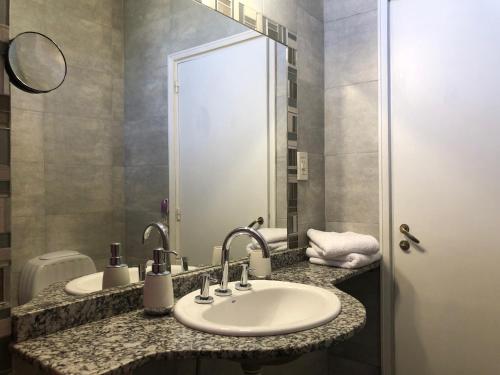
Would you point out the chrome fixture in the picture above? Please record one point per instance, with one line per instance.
(405, 229)
(259, 220)
(184, 264)
(204, 297)
(224, 290)
(163, 231)
(141, 268)
(115, 260)
(243, 284)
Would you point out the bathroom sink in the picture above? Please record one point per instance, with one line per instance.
(270, 308)
(93, 282)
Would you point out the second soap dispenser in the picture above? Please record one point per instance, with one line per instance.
(158, 288)
(116, 273)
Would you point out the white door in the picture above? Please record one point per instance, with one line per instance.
(223, 145)
(445, 124)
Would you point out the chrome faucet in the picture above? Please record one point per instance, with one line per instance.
(163, 231)
(223, 290)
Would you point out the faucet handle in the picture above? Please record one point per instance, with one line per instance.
(243, 284)
(204, 297)
(184, 264)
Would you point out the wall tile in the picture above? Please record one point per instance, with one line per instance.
(117, 104)
(26, 136)
(85, 93)
(117, 143)
(117, 11)
(144, 11)
(351, 120)
(352, 188)
(85, 44)
(335, 9)
(146, 142)
(145, 187)
(26, 15)
(351, 50)
(145, 45)
(28, 239)
(28, 190)
(84, 189)
(310, 45)
(89, 234)
(77, 140)
(313, 7)
(117, 53)
(145, 94)
(118, 188)
(96, 11)
(23, 100)
(311, 118)
(312, 192)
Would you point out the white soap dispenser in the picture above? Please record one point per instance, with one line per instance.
(116, 273)
(260, 267)
(158, 288)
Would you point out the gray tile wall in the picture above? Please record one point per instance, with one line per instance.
(67, 157)
(351, 130)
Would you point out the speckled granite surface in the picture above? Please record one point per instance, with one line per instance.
(54, 310)
(121, 343)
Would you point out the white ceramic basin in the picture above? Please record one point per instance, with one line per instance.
(93, 282)
(270, 308)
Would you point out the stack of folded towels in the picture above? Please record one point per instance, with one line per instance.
(276, 239)
(345, 250)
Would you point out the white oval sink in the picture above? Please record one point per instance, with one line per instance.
(93, 282)
(270, 308)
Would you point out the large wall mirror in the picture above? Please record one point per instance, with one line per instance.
(175, 114)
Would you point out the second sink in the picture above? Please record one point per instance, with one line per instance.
(93, 282)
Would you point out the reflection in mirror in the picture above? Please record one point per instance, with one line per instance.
(184, 124)
(35, 63)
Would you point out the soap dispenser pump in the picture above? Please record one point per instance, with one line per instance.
(158, 288)
(116, 273)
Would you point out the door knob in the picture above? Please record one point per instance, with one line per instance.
(404, 245)
(405, 229)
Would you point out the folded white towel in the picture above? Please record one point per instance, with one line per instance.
(274, 234)
(353, 260)
(333, 244)
(274, 246)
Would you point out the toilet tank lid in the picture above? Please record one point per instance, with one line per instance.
(58, 254)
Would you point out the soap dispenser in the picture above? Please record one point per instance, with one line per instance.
(115, 273)
(158, 289)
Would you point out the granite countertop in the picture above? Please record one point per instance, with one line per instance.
(92, 348)
(54, 310)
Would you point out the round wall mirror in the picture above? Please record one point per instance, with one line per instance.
(35, 63)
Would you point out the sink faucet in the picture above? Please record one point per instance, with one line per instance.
(163, 231)
(223, 290)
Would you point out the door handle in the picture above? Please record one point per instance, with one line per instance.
(405, 229)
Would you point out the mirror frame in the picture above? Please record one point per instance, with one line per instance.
(18, 82)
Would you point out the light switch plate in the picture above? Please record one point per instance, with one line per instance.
(302, 166)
